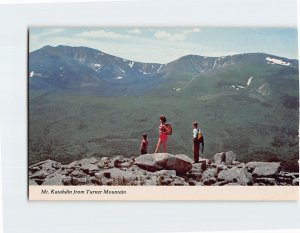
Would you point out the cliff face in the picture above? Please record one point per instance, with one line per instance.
(161, 169)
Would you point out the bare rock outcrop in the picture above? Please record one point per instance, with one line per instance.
(161, 169)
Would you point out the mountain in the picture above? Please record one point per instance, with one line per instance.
(82, 69)
(83, 102)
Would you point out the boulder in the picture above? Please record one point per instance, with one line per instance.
(264, 168)
(72, 165)
(150, 183)
(79, 181)
(180, 163)
(209, 173)
(239, 175)
(119, 177)
(90, 168)
(42, 174)
(151, 162)
(87, 161)
(95, 181)
(77, 173)
(224, 158)
(66, 180)
(164, 173)
(252, 165)
(195, 174)
(55, 180)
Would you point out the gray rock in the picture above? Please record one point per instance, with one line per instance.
(239, 175)
(55, 180)
(105, 160)
(209, 173)
(264, 169)
(164, 161)
(150, 183)
(66, 180)
(266, 180)
(295, 181)
(119, 177)
(199, 184)
(72, 165)
(149, 162)
(241, 165)
(229, 158)
(42, 174)
(87, 161)
(90, 168)
(195, 174)
(164, 173)
(77, 173)
(180, 163)
(125, 165)
(95, 181)
(210, 181)
(79, 181)
(67, 171)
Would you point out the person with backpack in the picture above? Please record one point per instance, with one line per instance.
(197, 140)
(164, 130)
(144, 144)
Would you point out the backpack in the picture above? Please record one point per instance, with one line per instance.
(169, 129)
(199, 136)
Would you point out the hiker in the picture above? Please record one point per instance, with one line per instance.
(144, 144)
(163, 136)
(197, 140)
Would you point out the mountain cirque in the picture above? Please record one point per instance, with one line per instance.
(161, 169)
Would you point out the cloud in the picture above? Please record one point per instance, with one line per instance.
(47, 32)
(135, 31)
(102, 34)
(180, 36)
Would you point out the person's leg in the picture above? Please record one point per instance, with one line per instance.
(157, 146)
(196, 152)
(164, 146)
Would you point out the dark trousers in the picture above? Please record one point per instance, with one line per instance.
(196, 152)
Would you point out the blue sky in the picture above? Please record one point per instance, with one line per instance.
(163, 45)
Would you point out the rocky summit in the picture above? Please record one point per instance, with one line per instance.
(161, 169)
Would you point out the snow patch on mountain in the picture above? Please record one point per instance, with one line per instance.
(97, 66)
(214, 64)
(277, 61)
(119, 77)
(159, 68)
(31, 74)
(131, 64)
(61, 67)
(249, 81)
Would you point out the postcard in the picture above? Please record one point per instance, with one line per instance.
(163, 113)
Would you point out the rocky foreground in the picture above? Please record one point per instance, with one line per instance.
(161, 169)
